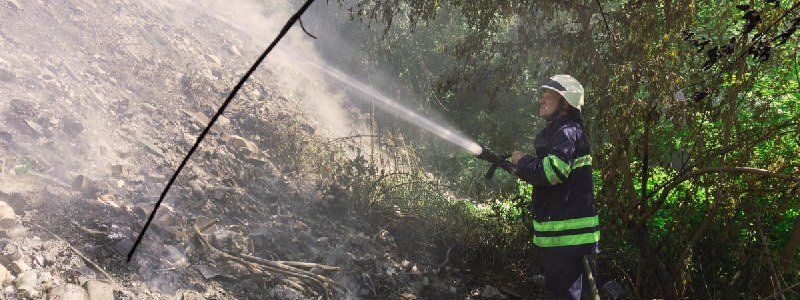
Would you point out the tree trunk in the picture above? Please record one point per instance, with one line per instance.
(665, 279)
(787, 255)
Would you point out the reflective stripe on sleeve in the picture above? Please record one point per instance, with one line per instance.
(561, 166)
(549, 172)
(582, 161)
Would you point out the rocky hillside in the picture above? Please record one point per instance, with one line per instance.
(100, 101)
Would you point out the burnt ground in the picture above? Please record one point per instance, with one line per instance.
(99, 102)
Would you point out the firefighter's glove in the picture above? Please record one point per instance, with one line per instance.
(516, 156)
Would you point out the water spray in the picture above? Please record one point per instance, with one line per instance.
(391, 105)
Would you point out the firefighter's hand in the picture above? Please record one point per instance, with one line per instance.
(516, 156)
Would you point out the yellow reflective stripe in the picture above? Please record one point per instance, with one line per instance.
(567, 240)
(567, 224)
(562, 167)
(548, 171)
(585, 160)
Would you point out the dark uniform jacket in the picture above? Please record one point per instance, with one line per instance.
(565, 221)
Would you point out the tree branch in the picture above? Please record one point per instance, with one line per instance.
(722, 169)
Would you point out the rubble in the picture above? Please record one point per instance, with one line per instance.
(19, 266)
(107, 123)
(7, 216)
(27, 284)
(98, 290)
(491, 292)
(191, 295)
(67, 291)
(242, 145)
(86, 186)
(5, 275)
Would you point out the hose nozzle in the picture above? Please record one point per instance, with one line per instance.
(488, 156)
(497, 161)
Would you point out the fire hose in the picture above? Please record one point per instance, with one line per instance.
(496, 161)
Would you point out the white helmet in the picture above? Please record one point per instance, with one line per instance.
(568, 87)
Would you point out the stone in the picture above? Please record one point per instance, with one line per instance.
(192, 295)
(72, 127)
(148, 108)
(8, 218)
(207, 271)
(241, 144)
(46, 281)
(123, 246)
(19, 266)
(415, 270)
(150, 147)
(125, 295)
(234, 50)
(197, 189)
(39, 260)
(490, 292)
(86, 186)
(222, 121)
(5, 275)
(10, 253)
(166, 216)
(116, 170)
(198, 118)
(24, 107)
(7, 76)
(175, 256)
(98, 290)
(19, 170)
(409, 296)
(6, 137)
(141, 210)
(12, 5)
(27, 282)
(284, 292)
(67, 291)
(215, 59)
(109, 199)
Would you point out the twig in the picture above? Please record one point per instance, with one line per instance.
(446, 259)
(85, 259)
(370, 284)
(354, 137)
(603, 14)
(775, 278)
(321, 285)
(723, 169)
(774, 296)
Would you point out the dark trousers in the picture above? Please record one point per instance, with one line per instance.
(564, 277)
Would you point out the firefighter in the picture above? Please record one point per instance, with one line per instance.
(565, 222)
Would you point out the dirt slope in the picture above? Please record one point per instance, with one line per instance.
(100, 100)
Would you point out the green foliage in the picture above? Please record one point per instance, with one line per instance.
(697, 90)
